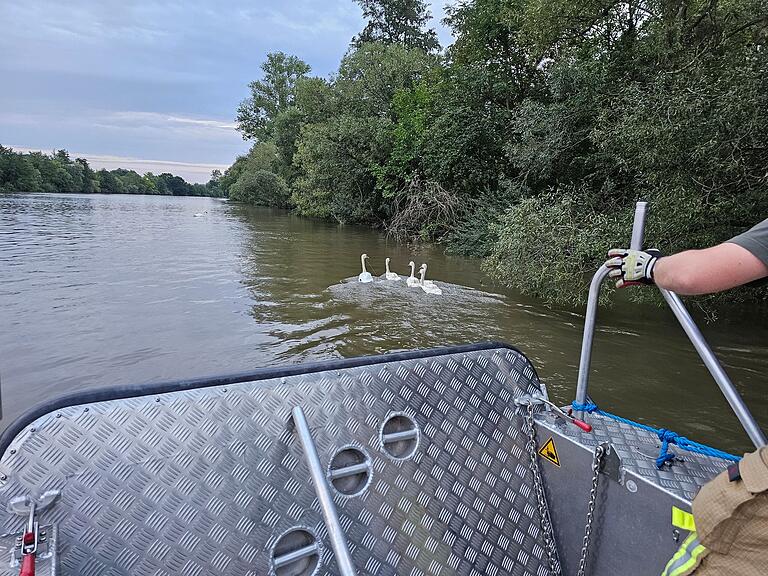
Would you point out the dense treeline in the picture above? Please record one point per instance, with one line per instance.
(38, 172)
(528, 140)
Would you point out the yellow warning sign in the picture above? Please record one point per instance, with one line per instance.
(549, 452)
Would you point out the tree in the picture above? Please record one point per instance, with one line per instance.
(262, 188)
(175, 184)
(273, 94)
(397, 22)
(339, 157)
(109, 182)
(90, 180)
(17, 173)
(261, 156)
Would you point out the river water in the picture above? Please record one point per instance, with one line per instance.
(101, 290)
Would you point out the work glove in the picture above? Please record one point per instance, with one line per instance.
(632, 267)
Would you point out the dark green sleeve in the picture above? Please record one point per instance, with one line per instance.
(755, 240)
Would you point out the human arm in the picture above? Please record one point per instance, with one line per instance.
(709, 270)
(740, 260)
(691, 272)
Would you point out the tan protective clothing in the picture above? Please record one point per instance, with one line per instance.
(732, 521)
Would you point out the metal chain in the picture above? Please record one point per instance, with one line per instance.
(541, 497)
(596, 461)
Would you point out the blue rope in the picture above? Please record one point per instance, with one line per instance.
(667, 437)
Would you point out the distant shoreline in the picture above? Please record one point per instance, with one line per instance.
(54, 193)
(59, 173)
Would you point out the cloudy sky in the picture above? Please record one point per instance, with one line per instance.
(153, 84)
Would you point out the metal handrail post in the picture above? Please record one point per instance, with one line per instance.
(331, 517)
(638, 226)
(590, 319)
(736, 402)
(715, 368)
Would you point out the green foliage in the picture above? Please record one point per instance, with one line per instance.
(336, 159)
(342, 160)
(411, 108)
(270, 96)
(397, 22)
(37, 172)
(548, 244)
(531, 137)
(262, 188)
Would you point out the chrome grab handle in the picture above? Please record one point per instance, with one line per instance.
(689, 326)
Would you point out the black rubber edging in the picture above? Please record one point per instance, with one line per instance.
(108, 393)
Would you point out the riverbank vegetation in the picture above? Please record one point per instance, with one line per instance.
(57, 172)
(528, 140)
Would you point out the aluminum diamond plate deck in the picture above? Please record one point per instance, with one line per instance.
(638, 450)
(203, 481)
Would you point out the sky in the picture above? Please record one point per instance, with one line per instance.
(154, 84)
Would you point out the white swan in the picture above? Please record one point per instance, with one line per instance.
(412, 281)
(390, 275)
(427, 285)
(364, 276)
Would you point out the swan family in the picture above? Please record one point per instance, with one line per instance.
(412, 281)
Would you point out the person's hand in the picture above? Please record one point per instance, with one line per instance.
(632, 267)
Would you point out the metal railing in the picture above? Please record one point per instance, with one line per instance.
(689, 326)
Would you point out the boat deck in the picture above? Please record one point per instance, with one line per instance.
(424, 454)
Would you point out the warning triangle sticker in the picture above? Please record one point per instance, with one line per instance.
(549, 452)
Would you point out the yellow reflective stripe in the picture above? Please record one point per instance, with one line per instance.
(692, 562)
(682, 551)
(683, 520)
(686, 558)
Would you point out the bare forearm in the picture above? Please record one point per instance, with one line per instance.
(710, 270)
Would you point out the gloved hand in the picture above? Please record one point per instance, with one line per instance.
(632, 267)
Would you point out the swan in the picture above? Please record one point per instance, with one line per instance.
(364, 276)
(423, 282)
(390, 275)
(427, 285)
(412, 281)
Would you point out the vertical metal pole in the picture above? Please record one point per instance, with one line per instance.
(590, 318)
(638, 226)
(335, 532)
(715, 368)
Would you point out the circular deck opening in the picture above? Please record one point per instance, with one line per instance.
(399, 436)
(296, 553)
(350, 471)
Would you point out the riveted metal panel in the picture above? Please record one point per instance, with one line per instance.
(203, 481)
(632, 530)
(638, 450)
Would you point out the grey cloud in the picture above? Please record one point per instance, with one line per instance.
(153, 78)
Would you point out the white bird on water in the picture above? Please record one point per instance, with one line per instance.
(390, 275)
(364, 276)
(427, 285)
(412, 281)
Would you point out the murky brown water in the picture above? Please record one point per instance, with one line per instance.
(99, 290)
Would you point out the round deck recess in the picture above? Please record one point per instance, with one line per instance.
(399, 436)
(296, 553)
(350, 471)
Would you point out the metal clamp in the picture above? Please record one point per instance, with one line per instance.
(537, 398)
(27, 544)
